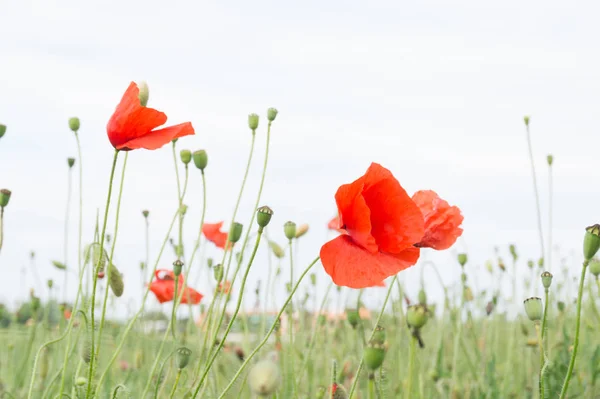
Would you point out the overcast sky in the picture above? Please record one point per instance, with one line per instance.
(435, 91)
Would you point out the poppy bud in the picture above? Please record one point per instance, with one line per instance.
(546, 279)
(489, 266)
(2, 130)
(271, 114)
(183, 357)
(560, 306)
(353, 317)
(301, 230)
(80, 381)
(50, 283)
(550, 159)
(462, 259)
(186, 156)
(4, 197)
(468, 294)
(530, 264)
(144, 93)
(422, 297)
(591, 241)
(200, 159)
(183, 209)
(263, 216)
(209, 262)
(236, 232)
(378, 335)
(59, 265)
(513, 251)
(533, 308)
(253, 121)
(338, 392)
(374, 355)
(541, 262)
(142, 265)
(313, 279)
(86, 350)
(595, 267)
(145, 213)
(264, 378)
(526, 120)
(116, 281)
(277, 250)
(74, 124)
(218, 272)
(177, 266)
(289, 229)
(416, 316)
(70, 162)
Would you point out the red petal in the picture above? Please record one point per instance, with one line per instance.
(130, 120)
(355, 215)
(213, 233)
(350, 265)
(397, 223)
(194, 296)
(160, 290)
(158, 138)
(334, 224)
(442, 221)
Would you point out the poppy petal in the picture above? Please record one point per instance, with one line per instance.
(213, 233)
(334, 224)
(157, 138)
(194, 296)
(397, 222)
(350, 265)
(442, 221)
(355, 215)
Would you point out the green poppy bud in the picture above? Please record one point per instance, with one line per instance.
(313, 279)
(533, 308)
(271, 114)
(353, 317)
(550, 159)
(263, 217)
(144, 93)
(209, 262)
(50, 283)
(145, 213)
(594, 267)
(513, 252)
(183, 357)
(546, 279)
(218, 272)
(236, 232)
(289, 229)
(591, 241)
(70, 162)
(2, 130)
(186, 156)
(74, 124)
(4, 197)
(462, 259)
(200, 159)
(416, 316)
(253, 121)
(560, 306)
(378, 335)
(526, 120)
(422, 297)
(116, 281)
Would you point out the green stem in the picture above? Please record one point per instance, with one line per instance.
(362, 360)
(411, 365)
(290, 355)
(544, 317)
(80, 162)
(565, 386)
(175, 385)
(159, 374)
(1, 226)
(542, 361)
(268, 335)
(233, 317)
(535, 189)
(66, 234)
(371, 385)
(549, 219)
(95, 274)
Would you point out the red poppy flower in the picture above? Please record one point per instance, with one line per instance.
(131, 125)
(225, 287)
(163, 287)
(442, 221)
(382, 224)
(213, 233)
(334, 224)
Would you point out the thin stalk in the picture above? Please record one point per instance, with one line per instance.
(535, 189)
(95, 274)
(565, 386)
(268, 334)
(172, 395)
(66, 233)
(411, 365)
(550, 198)
(542, 361)
(371, 386)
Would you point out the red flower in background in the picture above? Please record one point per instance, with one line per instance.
(382, 224)
(442, 221)
(131, 125)
(225, 287)
(163, 287)
(213, 233)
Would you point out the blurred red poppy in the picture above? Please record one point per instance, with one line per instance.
(442, 221)
(131, 125)
(213, 233)
(225, 287)
(163, 287)
(382, 224)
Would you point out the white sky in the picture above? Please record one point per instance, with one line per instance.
(434, 91)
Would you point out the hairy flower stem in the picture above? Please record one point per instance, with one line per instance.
(542, 359)
(411, 365)
(565, 386)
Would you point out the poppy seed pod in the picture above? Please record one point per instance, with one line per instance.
(74, 124)
(253, 121)
(595, 267)
(50, 283)
(4, 197)
(301, 230)
(462, 259)
(264, 378)
(218, 272)
(186, 156)
(546, 279)
(374, 355)
(145, 213)
(550, 159)
(416, 316)
(271, 114)
(263, 217)
(200, 159)
(177, 266)
(289, 229)
(591, 241)
(353, 317)
(2, 130)
(533, 308)
(144, 94)
(70, 162)
(183, 357)
(526, 120)
(378, 335)
(236, 232)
